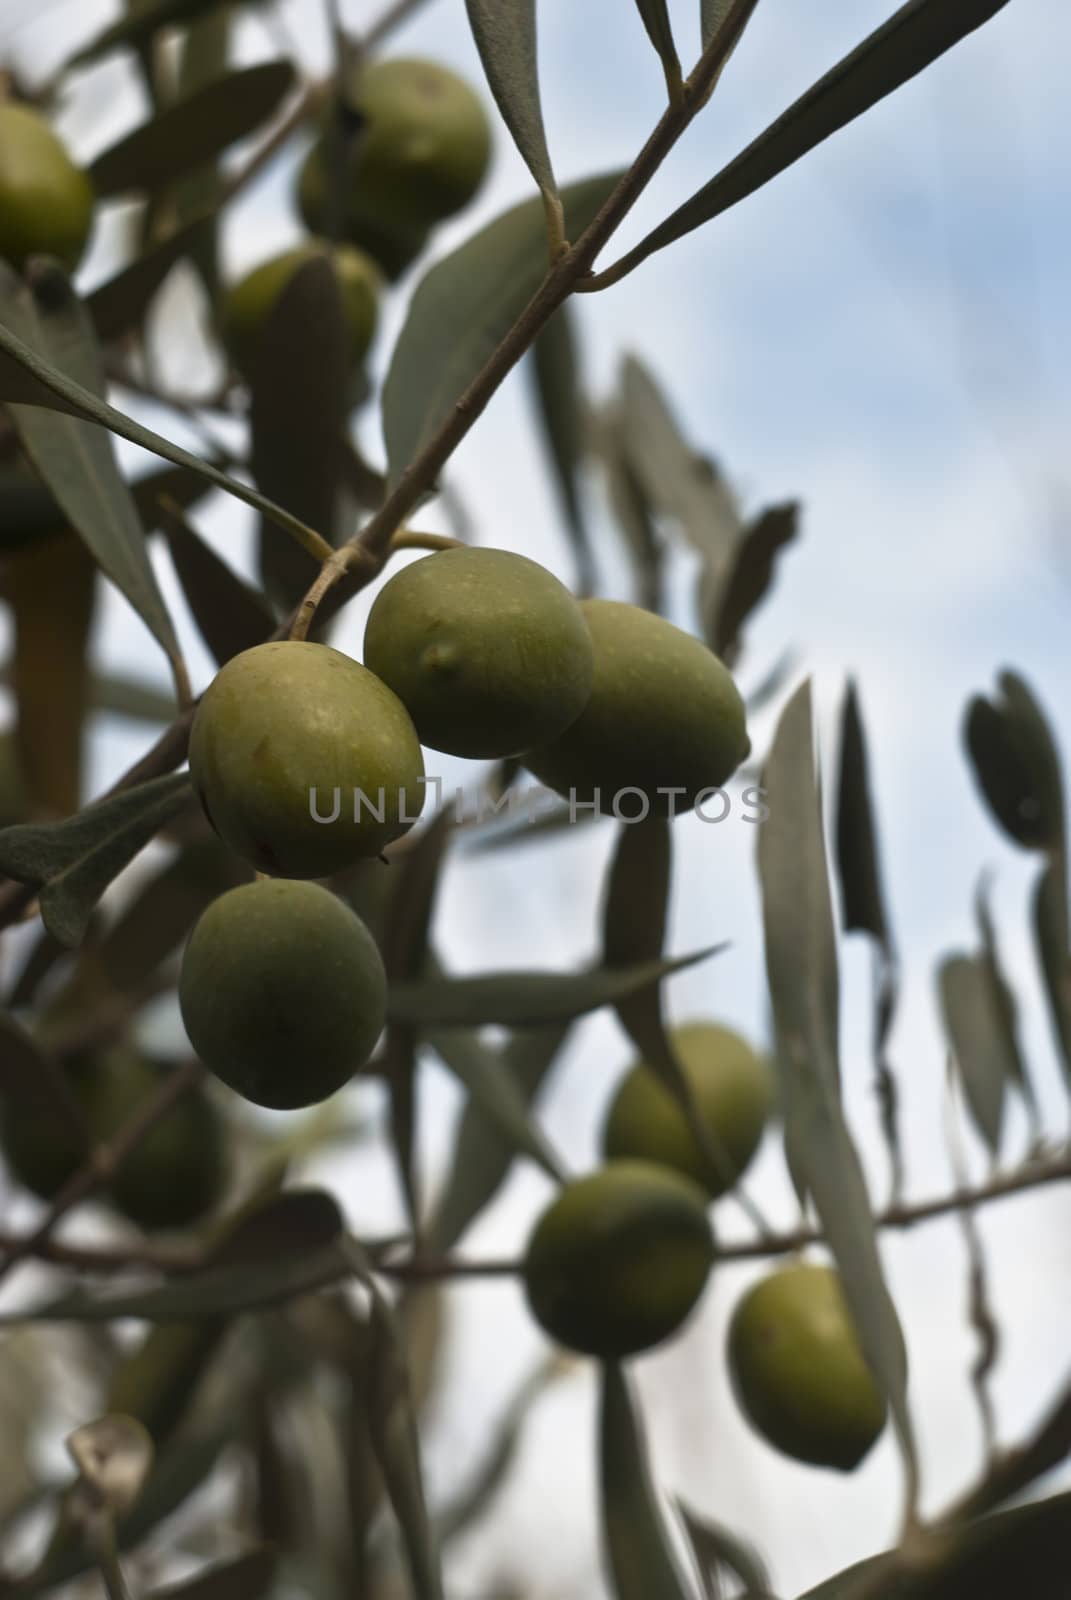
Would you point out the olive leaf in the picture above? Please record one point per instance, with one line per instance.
(972, 1022)
(1016, 765)
(555, 367)
(716, 1549)
(641, 1560)
(502, 1082)
(1052, 940)
(712, 17)
(230, 615)
(139, 25)
(526, 999)
(297, 412)
(910, 41)
(461, 310)
(727, 606)
(801, 966)
(71, 863)
(246, 1577)
(120, 303)
(505, 34)
(202, 59)
(76, 461)
(632, 508)
(655, 16)
(192, 130)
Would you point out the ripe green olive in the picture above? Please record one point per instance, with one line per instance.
(249, 302)
(664, 718)
(282, 992)
(393, 247)
(46, 202)
(798, 1371)
(734, 1094)
(488, 652)
(304, 761)
(618, 1261)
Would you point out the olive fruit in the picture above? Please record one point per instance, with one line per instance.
(488, 652)
(282, 992)
(303, 760)
(664, 719)
(249, 302)
(176, 1173)
(416, 146)
(619, 1260)
(392, 248)
(46, 202)
(734, 1095)
(798, 1371)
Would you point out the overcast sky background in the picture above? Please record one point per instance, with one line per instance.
(882, 333)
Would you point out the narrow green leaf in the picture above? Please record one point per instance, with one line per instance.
(73, 862)
(119, 305)
(230, 616)
(801, 965)
(495, 1125)
(632, 509)
(1052, 940)
(728, 606)
(913, 38)
(297, 413)
(712, 16)
(30, 379)
(1016, 765)
(202, 60)
(655, 15)
(505, 34)
(639, 1555)
(75, 460)
(193, 130)
(972, 1023)
(715, 1548)
(144, 19)
(526, 999)
(128, 697)
(463, 308)
(1003, 1004)
(681, 485)
(562, 410)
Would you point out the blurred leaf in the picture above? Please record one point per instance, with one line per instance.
(73, 862)
(125, 697)
(1018, 1551)
(715, 1548)
(248, 1577)
(192, 130)
(505, 33)
(156, 1382)
(203, 60)
(230, 615)
(1052, 938)
(1004, 1004)
(461, 310)
(801, 965)
(903, 46)
(144, 19)
(632, 509)
(1016, 765)
(748, 578)
(972, 1022)
(681, 485)
(525, 999)
(490, 1133)
(297, 411)
(562, 408)
(119, 305)
(655, 16)
(550, 823)
(52, 591)
(76, 461)
(640, 1557)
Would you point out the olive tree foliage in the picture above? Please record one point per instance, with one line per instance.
(274, 1309)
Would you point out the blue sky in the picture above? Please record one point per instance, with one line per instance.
(881, 333)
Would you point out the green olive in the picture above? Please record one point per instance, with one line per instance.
(248, 303)
(46, 202)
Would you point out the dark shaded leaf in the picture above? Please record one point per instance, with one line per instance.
(73, 862)
(749, 577)
(157, 1381)
(913, 38)
(248, 1577)
(640, 1558)
(119, 305)
(505, 34)
(655, 16)
(715, 1548)
(562, 410)
(76, 460)
(712, 16)
(463, 308)
(138, 26)
(972, 1023)
(1016, 765)
(801, 966)
(502, 1084)
(297, 412)
(1052, 939)
(1003, 1003)
(632, 510)
(526, 999)
(202, 60)
(193, 130)
(230, 615)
